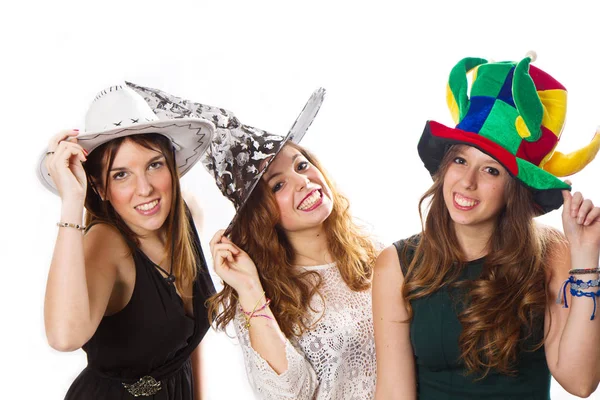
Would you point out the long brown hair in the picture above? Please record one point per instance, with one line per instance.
(505, 306)
(179, 246)
(290, 290)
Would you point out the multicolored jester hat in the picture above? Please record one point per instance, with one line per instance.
(515, 113)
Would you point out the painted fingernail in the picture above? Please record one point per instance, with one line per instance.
(85, 151)
(76, 130)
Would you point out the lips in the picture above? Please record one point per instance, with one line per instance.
(148, 208)
(311, 201)
(464, 203)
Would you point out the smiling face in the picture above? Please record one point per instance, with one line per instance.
(474, 188)
(139, 187)
(302, 195)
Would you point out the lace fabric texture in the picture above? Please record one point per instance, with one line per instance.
(335, 360)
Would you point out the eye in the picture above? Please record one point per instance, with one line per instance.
(155, 165)
(277, 187)
(459, 160)
(119, 175)
(492, 171)
(302, 166)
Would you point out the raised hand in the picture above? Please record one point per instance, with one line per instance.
(234, 265)
(581, 221)
(64, 163)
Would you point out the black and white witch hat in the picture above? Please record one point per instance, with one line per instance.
(238, 154)
(119, 111)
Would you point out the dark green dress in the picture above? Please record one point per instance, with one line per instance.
(434, 334)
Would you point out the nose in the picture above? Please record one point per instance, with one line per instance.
(301, 181)
(144, 187)
(469, 178)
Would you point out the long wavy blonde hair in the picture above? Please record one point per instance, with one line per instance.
(507, 303)
(290, 290)
(179, 245)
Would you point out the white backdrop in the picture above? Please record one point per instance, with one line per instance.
(384, 65)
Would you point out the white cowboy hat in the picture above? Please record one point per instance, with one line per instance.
(119, 111)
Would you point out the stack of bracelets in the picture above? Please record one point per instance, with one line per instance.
(251, 314)
(578, 286)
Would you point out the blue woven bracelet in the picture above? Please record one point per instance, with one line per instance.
(576, 286)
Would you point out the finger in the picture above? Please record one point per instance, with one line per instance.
(66, 151)
(567, 199)
(584, 209)
(67, 134)
(222, 256)
(217, 237)
(593, 215)
(576, 203)
(225, 239)
(228, 247)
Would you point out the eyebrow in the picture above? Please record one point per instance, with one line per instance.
(153, 159)
(279, 173)
(461, 153)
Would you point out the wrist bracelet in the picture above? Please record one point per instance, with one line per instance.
(70, 225)
(248, 315)
(576, 286)
(584, 271)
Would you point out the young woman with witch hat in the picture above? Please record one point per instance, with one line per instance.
(128, 285)
(467, 308)
(296, 268)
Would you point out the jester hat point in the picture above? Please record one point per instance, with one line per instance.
(515, 113)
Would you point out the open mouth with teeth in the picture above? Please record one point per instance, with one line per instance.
(148, 208)
(464, 203)
(311, 201)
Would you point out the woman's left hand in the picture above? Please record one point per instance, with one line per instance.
(581, 221)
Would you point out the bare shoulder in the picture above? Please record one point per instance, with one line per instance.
(387, 267)
(103, 242)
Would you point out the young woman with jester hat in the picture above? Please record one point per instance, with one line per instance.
(467, 309)
(130, 287)
(296, 268)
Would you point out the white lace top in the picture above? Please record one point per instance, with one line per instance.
(335, 360)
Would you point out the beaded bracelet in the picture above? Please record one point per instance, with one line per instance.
(584, 271)
(576, 286)
(70, 225)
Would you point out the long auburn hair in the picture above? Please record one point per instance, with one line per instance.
(289, 289)
(180, 246)
(506, 305)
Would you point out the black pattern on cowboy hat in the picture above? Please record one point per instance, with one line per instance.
(119, 111)
(238, 154)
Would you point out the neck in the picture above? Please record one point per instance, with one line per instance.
(310, 247)
(474, 240)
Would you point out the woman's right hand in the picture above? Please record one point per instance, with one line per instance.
(234, 265)
(63, 162)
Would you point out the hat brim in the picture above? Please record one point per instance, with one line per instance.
(295, 135)
(437, 139)
(190, 138)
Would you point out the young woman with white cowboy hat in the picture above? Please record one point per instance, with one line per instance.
(129, 284)
(485, 303)
(296, 268)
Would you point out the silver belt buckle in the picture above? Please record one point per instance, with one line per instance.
(146, 386)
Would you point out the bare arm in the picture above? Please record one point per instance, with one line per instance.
(82, 275)
(78, 287)
(395, 362)
(275, 368)
(572, 350)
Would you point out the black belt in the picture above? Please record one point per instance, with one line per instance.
(148, 385)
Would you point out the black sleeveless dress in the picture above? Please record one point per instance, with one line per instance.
(147, 345)
(434, 333)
